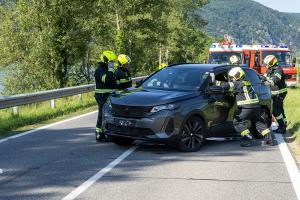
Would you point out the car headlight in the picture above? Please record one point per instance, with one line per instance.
(171, 106)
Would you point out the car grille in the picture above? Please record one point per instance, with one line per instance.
(129, 131)
(130, 111)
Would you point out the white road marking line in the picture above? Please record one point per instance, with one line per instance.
(45, 127)
(80, 189)
(290, 164)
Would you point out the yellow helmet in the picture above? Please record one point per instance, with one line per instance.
(234, 60)
(123, 59)
(162, 65)
(236, 73)
(107, 56)
(271, 61)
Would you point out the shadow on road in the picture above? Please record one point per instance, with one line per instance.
(53, 162)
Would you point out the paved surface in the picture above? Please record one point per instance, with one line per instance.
(51, 163)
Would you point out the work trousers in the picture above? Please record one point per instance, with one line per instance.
(278, 110)
(101, 99)
(249, 117)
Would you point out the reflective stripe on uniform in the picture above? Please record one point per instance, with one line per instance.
(98, 130)
(123, 81)
(218, 83)
(103, 78)
(276, 92)
(265, 132)
(231, 87)
(246, 102)
(246, 92)
(245, 132)
(279, 117)
(278, 75)
(111, 70)
(103, 91)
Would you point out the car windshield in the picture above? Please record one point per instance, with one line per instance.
(284, 58)
(177, 78)
(222, 57)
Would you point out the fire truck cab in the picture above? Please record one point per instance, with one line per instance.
(254, 55)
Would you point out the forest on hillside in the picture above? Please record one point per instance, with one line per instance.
(56, 43)
(250, 22)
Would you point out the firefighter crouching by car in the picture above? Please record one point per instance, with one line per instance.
(248, 113)
(276, 80)
(105, 84)
(122, 74)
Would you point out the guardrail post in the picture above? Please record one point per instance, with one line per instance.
(15, 110)
(52, 103)
(80, 97)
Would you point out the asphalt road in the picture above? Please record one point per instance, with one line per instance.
(54, 162)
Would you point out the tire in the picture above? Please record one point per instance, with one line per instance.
(122, 141)
(191, 137)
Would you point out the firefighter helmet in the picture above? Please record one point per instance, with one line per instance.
(234, 60)
(107, 56)
(236, 73)
(271, 61)
(123, 59)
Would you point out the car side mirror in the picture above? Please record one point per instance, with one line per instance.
(294, 62)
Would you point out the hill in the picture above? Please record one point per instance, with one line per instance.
(251, 22)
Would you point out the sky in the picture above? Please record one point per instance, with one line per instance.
(282, 5)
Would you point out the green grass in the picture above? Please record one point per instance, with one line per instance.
(292, 110)
(31, 116)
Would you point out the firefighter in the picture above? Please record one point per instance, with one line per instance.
(122, 74)
(276, 80)
(105, 84)
(234, 60)
(248, 112)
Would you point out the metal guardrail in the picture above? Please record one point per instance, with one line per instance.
(24, 99)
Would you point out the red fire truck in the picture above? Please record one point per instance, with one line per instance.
(253, 56)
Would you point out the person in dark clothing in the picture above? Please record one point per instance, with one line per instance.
(275, 78)
(248, 113)
(122, 74)
(105, 84)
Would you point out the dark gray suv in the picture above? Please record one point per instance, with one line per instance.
(176, 106)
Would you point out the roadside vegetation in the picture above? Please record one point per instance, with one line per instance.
(54, 44)
(292, 109)
(35, 114)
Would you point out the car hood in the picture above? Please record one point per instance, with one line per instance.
(143, 97)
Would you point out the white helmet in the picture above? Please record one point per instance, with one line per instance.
(234, 60)
(236, 73)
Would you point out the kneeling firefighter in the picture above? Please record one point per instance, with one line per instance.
(276, 79)
(248, 113)
(122, 74)
(105, 84)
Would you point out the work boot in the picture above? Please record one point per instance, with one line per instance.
(101, 137)
(246, 141)
(269, 139)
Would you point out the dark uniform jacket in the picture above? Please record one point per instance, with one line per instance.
(105, 79)
(244, 93)
(276, 78)
(123, 78)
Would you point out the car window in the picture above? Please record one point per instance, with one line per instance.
(252, 77)
(173, 78)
